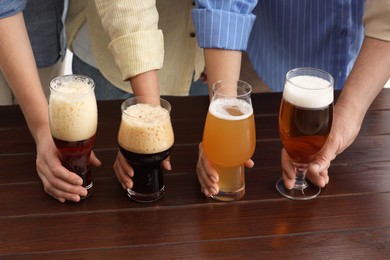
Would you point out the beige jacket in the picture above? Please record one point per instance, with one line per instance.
(127, 39)
(376, 19)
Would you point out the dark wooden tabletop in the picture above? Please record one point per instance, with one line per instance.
(349, 220)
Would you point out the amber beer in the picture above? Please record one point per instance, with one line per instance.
(145, 139)
(229, 140)
(305, 120)
(73, 123)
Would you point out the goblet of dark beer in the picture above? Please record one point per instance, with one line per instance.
(73, 123)
(305, 121)
(145, 139)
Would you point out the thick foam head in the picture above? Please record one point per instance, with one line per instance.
(73, 111)
(145, 129)
(230, 108)
(308, 92)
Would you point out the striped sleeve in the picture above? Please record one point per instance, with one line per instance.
(376, 19)
(223, 24)
(137, 44)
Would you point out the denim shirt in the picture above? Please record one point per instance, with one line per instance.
(282, 35)
(11, 7)
(45, 26)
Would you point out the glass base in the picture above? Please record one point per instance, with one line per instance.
(89, 191)
(310, 192)
(229, 195)
(145, 198)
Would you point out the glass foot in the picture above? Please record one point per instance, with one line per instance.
(229, 195)
(308, 193)
(150, 197)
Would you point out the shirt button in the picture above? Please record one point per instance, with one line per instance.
(192, 34)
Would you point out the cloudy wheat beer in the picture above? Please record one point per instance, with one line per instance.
(73, 123)
(305, 118)
(145, 139)
(229, 137)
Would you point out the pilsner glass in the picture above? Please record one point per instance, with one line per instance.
(73, 122)
(305, 121)
(229, 137)
(145, 139)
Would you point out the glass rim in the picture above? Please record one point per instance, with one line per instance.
(124, 105)
(320, 71)
(53, 86)
(215, 90)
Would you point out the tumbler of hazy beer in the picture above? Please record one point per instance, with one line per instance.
(305, 121)
(229, 137)
(73, 123)
(145, 139)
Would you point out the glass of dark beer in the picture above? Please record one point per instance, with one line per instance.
(145, 139)
(305, 121)
(73, 123)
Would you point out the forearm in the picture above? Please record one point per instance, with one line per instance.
(222, 65)
(18, 65)
(366, 80)
(223, 44)
(146, 84)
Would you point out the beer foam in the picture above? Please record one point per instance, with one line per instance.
(230, 108)
(73, 112)
(304, 96)
(145, 129)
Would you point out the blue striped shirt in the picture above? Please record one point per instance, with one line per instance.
(279, 35)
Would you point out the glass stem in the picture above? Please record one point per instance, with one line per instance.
(300, 173)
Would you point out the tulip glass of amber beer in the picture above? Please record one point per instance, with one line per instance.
(305, 121)
(145, 139)
(229, 137)
(73, 123)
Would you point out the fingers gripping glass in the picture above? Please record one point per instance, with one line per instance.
(73, 123)
(229, 136)
(305, 121)
(145, 139)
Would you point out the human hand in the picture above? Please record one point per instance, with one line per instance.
(208, 176)
(344, 131)
(124, 172)
(59, 182)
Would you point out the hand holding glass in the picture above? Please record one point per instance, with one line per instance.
(229, 137)
(305, 121)
(73, 123)
(145, 139)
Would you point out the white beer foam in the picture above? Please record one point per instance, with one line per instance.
(304, 96)
(219, 108)
(73, 117)
(145, 129)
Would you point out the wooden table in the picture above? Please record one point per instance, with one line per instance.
(349, 220)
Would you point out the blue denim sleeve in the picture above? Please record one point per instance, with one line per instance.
(223, 24)
(11, 7)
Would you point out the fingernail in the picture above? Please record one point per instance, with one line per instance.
(168, 165)
(316, 166)
(213, 191)
(78, 182)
